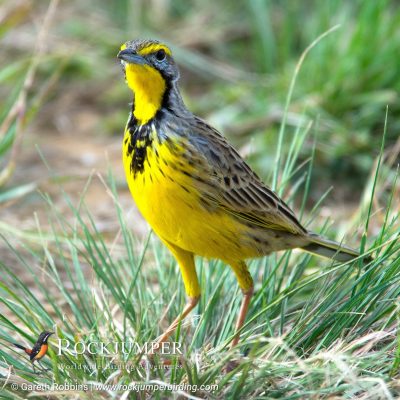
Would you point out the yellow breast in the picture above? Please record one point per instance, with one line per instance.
(156, 186)
(171, 204)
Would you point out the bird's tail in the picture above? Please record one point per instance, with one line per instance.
(19, 346)
(330, 249)
(25, 349)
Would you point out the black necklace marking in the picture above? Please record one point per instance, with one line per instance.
(141, 137)
(138, 143)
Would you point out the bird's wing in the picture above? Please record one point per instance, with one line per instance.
(232, 185)
(35, 350)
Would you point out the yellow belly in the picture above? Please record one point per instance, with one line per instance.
(169, 202)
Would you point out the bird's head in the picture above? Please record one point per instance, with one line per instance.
(148, 57)
(150, 71)
(44, 336)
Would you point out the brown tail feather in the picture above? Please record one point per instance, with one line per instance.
(330, 249)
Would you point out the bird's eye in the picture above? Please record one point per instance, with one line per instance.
(160, 55)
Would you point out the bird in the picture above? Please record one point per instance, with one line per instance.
(196, 192)
(39, 349)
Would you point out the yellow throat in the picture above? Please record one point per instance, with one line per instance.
(148, 86)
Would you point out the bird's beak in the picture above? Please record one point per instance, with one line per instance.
(131, 57)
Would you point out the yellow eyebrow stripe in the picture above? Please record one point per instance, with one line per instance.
(153, 48)
(149, 49)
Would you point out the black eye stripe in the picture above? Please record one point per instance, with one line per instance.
(160, 55)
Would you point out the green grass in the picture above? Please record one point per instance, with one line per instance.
(314, 329)
(18, 106)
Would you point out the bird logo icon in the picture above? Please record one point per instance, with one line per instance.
(39, 349)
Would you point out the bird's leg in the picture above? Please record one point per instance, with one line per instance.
(39, 368)
(42, 367)
(246, 284)
(192, 301)
(186, 264)
(242, 314)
